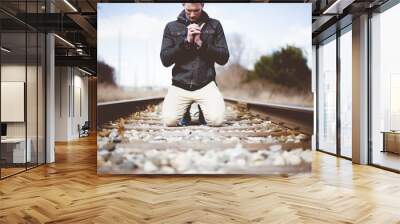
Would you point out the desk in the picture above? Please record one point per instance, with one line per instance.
(391, 141)
(13, 150)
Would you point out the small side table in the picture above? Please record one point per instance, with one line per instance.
(14, 150)
(391, 141)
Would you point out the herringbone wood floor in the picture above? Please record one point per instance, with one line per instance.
(70, 191)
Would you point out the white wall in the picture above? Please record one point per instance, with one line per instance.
(80, 110)
(13, 73)
(33, 126)
(71, 93)
(61, 103)
(360, 90)
(314, 90)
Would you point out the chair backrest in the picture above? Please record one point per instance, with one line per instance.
(86, 125)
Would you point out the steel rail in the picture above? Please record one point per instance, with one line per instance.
(293, 117)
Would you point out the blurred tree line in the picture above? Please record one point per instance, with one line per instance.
(287, 66)
(106, 74)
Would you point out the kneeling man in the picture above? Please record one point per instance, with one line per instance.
(193, 43)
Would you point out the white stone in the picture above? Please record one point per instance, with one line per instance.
(117, 156)
(192, 171)
(181, 162)
(113, 133)
(258, 156)
(128, 165)
(223, 157)
(288, 140)
(306, 155)
(164, 161)
(104, 154)
(241, 162)
(301, 136)
(151, 153)
(209, 161)
(278, 161)
(167, 170)
(291, 158)
(149, 167)
(275, 148)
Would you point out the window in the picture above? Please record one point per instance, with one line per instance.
(327, 96)
(385, 89)
(22, 76)
(346, 94)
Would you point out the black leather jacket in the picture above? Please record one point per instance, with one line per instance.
(194, 68)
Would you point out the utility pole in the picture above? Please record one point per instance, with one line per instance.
(119, 58)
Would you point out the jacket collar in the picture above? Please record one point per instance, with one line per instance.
(183, 19)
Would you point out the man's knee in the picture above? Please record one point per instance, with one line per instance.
(215, 119)
(170, 121)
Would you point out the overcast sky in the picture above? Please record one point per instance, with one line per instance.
(138, 28)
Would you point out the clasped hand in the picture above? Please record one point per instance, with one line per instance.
(193, 34)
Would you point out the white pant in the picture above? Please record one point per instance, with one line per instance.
(209, 98)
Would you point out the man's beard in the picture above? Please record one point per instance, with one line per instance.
(195, 21)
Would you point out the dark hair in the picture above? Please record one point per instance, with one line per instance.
(202, 3)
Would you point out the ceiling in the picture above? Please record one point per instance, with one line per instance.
(75, 22)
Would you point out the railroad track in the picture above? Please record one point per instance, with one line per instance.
(256, 138)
